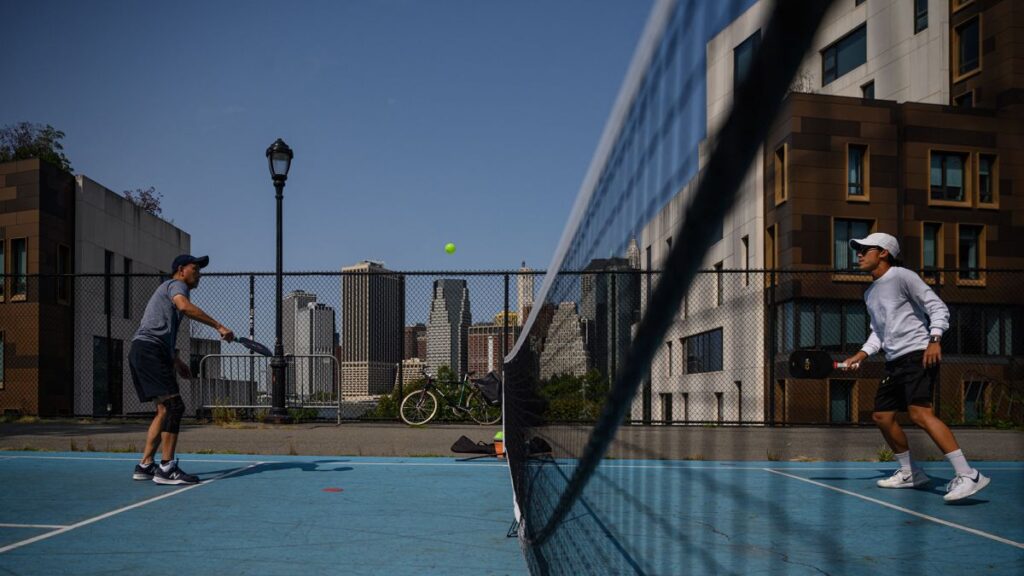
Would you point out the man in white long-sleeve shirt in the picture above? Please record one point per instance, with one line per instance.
(907, 323)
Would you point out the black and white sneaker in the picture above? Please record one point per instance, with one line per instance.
(144, 472)
(173, 475)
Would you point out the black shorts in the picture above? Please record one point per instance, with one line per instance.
(152, 370)
(906, 382)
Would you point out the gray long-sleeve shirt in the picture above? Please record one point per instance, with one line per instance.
(904, 312)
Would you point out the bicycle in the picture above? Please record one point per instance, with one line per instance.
(421, 406)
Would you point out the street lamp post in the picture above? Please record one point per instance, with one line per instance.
(279, 156)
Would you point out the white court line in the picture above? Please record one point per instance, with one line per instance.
(905, 510)
(52, 526)
(131, 459)
(10, 547)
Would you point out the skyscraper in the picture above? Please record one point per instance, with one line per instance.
(448, 327)
(524, 292)
(565, 351)
(314, 335)
(610, 302)
(372, 321)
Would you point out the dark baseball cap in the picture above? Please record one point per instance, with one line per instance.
(186, 259)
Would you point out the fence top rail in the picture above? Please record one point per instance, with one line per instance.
(832, 271)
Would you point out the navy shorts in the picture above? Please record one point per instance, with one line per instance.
(906, 382)
(152, 370)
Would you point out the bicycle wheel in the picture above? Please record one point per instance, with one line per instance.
(480, 410)
(418, 407)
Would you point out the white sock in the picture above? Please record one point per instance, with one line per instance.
(170, 464)
(959, 462)
(905, 461)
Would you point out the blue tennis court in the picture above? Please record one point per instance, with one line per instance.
(317, 515)
(72, 513)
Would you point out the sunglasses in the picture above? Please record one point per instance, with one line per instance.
(865, 249)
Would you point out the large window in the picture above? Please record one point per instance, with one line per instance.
(666, 407)
(947, 176)
(984, 330)
(967, 47)
(19, 268)
(856, 171)
(920, 15)
(988, 180)
(836, 326)
(704, 352)
(844, 258)
(843, 56)
(668, 351)
(743, 58)
(970, 252)
(931, 250)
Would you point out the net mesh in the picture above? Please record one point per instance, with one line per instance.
(581, 367)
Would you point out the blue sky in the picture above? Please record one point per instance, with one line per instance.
(414, 123)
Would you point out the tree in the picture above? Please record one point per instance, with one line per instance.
(148, 199)
(25, 140)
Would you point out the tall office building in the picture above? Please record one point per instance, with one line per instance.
(294, 303)
(448, 327)
(565, 348)
(372, 322)
(314, 335)
(609, 304)
(524, 291)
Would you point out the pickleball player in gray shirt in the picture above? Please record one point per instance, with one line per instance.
(153, 358)
(907, 323)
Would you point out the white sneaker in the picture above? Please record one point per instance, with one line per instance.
(963, 486)
(901, 479)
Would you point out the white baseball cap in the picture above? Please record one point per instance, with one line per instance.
(879, 240)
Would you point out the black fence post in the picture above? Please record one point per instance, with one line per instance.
(252, 336)
(504, 331)
(770, 350)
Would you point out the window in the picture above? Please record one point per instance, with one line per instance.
(666, 407)
(840, 401)
(974, 401)
(781, 170)
(856, 325)
(920, 15)
(970, 253)
(770, 255)
(719, 289)
(947, 180)
(805, 318)
(988, 180)
(19, 268)
(931, 251)
(843, 257)
(669, 352)
(966, 48)
(743, 58)
(720, 407)
(867, 91)
(686, 407)
(844, 55)
(831, 327)
(126, 289)
(63, 268)
(965, 100)
(703, 352)
(856, 171)
(745, 254)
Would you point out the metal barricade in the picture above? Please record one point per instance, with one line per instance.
(242, 383)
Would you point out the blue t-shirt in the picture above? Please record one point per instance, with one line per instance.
(161, 320)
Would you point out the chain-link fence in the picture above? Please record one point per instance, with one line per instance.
(357, 341)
